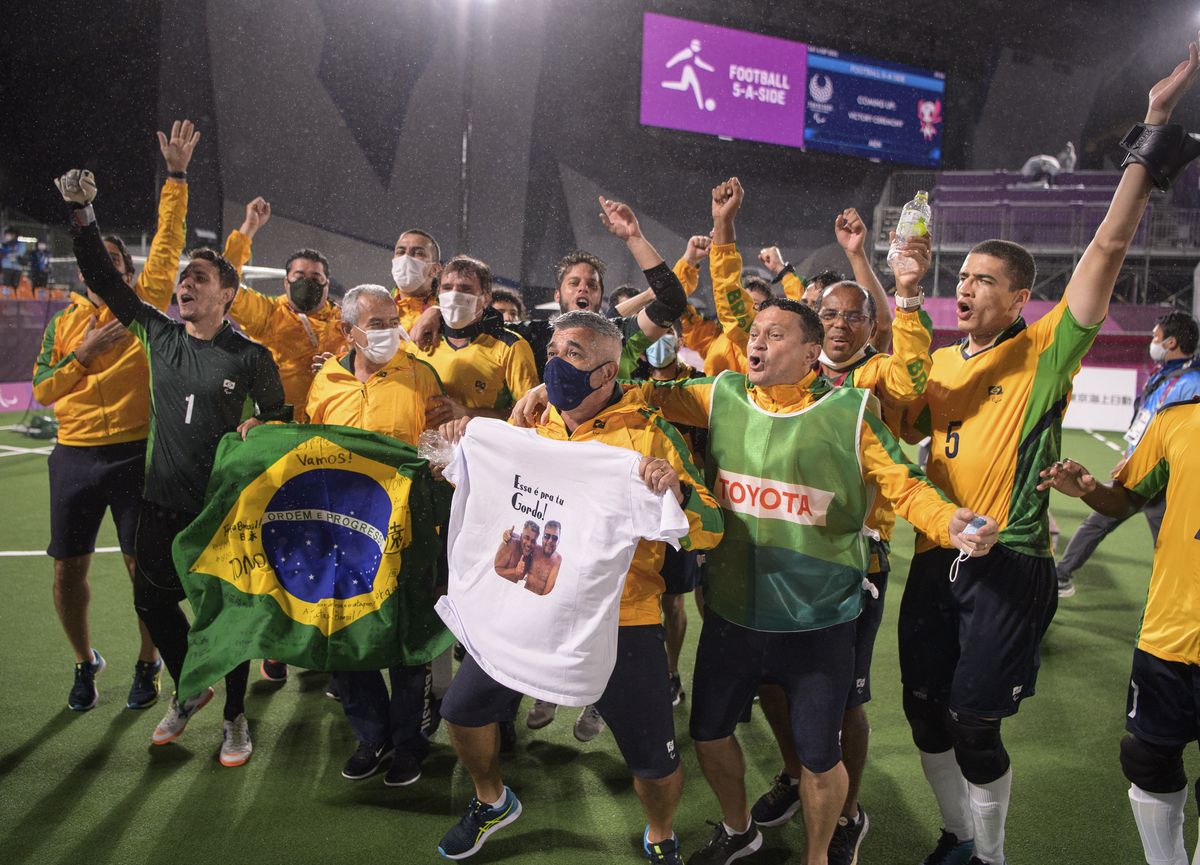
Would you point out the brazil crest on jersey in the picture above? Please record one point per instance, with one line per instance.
(316, 546)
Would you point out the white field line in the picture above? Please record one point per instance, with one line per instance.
(28, 553)
(1105, 440)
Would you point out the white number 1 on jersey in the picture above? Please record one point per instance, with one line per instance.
(191, 401)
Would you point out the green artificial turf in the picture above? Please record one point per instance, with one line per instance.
(88, 788)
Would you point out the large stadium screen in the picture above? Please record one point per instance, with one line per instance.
(865, 107)
(703, 78)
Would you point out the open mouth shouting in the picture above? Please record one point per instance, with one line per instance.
(964, 309)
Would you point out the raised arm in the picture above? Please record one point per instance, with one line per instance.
(669, 298)
(1157, 153)
(78, 188)
(735, 309)
(906, 370)
(851, 233)
(157, 280)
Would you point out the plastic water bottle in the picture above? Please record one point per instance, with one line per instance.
(915, 221)
(434, 447)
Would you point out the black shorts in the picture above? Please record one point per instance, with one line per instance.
(680, 571)
(1163, 698)
(973, 644)
(156, 577)
(86, 481)
(814, 668)
(636, 703)
(866, 629)
(11, 277)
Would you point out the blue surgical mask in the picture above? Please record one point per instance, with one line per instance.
(662, 353)
(567, 386)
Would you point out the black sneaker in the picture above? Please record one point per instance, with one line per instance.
(1066, 586)
(847, 837)
(147, 679)
(677, 692)
(366, 761)
(331, 689)
(779, 804)
(468, 834)
(951, 851)
(724, 848)
(661, 852)
(274, 671)
(508, 737)
(84, 694)
(405, 770)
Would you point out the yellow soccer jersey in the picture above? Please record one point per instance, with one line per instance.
(896, 380)
(492, 371)
(391, 402)
(1171, 446)
(995, 418)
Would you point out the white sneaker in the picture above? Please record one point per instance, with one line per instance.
(589, 724)
(236, 746)
(177, 717)
(541, 714)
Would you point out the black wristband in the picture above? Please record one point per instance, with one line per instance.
(670, 300)
(778, 278)
(177, 175)
(1163, 149)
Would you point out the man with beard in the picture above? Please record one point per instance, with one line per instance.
(516, 552)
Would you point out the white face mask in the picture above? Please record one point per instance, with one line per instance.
(1158, 352)
(458, 308)
(382, 345)
(409, 273)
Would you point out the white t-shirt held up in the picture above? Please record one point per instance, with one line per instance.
(538, 611)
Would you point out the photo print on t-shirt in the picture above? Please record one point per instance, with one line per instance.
(528, 556)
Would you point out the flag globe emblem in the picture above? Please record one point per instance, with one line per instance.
(324, 534)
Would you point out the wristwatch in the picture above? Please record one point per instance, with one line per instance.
(910, 302)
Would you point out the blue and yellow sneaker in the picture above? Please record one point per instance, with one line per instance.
(84, 693)
(468, 834)
(147, 680)
(661, 852)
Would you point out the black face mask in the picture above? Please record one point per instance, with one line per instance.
(306, 294)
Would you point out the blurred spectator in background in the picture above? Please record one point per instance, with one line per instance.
(38, 262)
(11, 253)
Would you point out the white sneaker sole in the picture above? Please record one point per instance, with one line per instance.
(165, 739)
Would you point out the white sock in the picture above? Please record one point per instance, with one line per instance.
(499, 802)
(950, 790)
(730, 831)
(989, 810)
(1159, 818)
(442, 674)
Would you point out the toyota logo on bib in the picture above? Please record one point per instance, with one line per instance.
(770, 499)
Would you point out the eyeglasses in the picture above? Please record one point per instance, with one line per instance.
(830, 315)
(550, 538)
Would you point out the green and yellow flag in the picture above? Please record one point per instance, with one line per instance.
(317, 546)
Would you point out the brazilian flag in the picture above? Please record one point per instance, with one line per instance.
(317, 546)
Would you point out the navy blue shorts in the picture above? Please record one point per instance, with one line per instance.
(680, 571)
(814, 668)
(866, 629)
(84, 483)
(973, 644)
(636, 703)
(1163, 699)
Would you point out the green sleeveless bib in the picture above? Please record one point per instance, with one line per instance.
(795, 503)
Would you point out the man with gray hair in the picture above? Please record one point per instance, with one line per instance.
(378, 387)
(587, 405)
